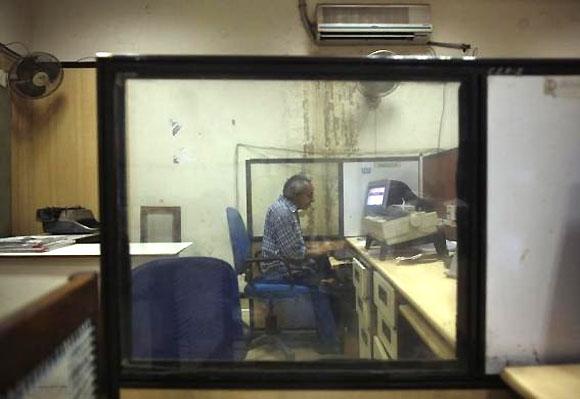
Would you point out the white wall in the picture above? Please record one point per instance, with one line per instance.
(533, 216)
(499, 28)
(16, 24)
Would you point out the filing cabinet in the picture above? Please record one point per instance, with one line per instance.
(362, 281)
(388, 335)
(384, 298)
(364, 343)
(361, 278)
(364, 312)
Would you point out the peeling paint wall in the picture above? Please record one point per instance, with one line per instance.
(330, 129)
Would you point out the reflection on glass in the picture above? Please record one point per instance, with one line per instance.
(351, 262)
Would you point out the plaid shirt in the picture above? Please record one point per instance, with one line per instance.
(282, 237)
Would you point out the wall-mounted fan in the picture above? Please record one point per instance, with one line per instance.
(374, 91)
(35, 75)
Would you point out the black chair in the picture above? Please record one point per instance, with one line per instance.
(260, 289)
(186, 309)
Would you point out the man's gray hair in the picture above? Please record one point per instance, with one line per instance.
(295, 185)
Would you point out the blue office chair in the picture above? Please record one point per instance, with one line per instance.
(255, 289)
(185, 309)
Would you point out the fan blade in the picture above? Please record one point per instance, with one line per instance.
(25, 69)
(27, 88)
(52, 69)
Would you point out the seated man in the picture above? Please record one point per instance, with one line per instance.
(283, 237)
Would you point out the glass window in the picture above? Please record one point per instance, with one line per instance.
(296, 222)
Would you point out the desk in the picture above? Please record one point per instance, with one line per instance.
(550, 381)
(82, 257)
(427, 297)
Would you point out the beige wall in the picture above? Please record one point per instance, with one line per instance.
(16, 23)
(499, 28)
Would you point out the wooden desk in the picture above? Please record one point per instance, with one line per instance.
(82, 257)
(431, 297)
(551, 381)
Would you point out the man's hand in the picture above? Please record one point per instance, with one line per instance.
(320, 247)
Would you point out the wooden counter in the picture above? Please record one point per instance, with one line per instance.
(551, 381)
(424, 286)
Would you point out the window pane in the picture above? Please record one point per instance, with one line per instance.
(359, 247)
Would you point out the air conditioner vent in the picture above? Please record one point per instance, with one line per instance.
(373, 23)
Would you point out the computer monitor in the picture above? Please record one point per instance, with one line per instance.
(383, 193)
(377, 194)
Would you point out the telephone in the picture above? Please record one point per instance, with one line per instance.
(69, 220)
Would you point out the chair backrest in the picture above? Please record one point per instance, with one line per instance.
(185, 308)
(239, 239)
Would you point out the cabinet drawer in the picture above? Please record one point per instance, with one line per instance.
(361, 279)
(363, 311)
(379, 351)
(384, 298)
(388, 336)
(364, 344)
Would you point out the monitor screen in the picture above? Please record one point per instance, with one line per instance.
(376, 195)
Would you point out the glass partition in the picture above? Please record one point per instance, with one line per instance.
(286, 258)
(181, 153)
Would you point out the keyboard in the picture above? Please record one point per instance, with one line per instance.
(343, 254)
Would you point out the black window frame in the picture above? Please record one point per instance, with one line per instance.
(466, 372)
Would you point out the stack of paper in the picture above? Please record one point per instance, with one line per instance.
(33, 243)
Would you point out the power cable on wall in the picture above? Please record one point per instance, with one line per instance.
(11, 53)
(443, 101)
(308, 25)
(464, 47)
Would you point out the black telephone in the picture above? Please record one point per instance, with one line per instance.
(69, 220)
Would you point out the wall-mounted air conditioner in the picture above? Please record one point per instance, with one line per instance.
(373, 23)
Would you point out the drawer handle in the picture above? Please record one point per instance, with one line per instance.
(383, 295)
(386, 331)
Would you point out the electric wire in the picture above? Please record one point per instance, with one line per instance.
(308, 25)
(443, 101)
(93, 58)
(20, 44)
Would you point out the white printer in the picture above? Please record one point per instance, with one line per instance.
(396, 218)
